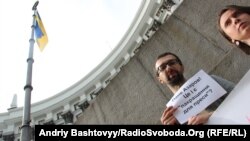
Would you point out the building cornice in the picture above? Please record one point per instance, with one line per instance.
(150, 15)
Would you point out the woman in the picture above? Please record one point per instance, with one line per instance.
(234, 25)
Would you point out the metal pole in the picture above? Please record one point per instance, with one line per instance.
(25, 128)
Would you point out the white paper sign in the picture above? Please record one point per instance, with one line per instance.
(235, 109)
(195, 95)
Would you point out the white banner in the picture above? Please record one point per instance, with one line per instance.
(235, 109)
(195, 95)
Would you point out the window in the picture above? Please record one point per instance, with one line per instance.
(59, 115)
(76, 106)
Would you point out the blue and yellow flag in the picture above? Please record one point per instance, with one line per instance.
(41, 35)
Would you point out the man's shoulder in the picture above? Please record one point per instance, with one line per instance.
(226, 84)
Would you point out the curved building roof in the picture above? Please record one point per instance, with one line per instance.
(150, 15)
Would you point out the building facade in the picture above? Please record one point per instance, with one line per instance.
(67, 106)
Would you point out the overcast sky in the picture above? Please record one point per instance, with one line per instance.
(81, 33)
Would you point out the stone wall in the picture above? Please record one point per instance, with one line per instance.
(135, 96)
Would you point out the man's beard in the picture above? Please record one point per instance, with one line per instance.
(176, 80)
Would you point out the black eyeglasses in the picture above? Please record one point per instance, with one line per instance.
(163, 66)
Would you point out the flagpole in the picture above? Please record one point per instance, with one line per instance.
(25, 128)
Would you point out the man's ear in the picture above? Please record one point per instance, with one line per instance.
(160, 80)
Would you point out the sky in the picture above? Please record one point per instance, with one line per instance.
(81, 34)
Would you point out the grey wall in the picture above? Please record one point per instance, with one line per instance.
(135, 96)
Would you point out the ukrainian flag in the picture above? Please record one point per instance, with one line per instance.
(40, 33)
